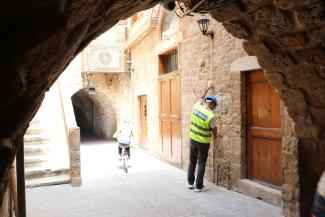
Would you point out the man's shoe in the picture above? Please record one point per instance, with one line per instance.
(197, 190)
(190, 186)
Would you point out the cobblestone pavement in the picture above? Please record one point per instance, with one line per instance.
(150, 189)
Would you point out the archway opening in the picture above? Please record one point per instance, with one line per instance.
(94, 115)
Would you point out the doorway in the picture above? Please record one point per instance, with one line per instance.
(143, 122)
(264, 135)
(170, 121)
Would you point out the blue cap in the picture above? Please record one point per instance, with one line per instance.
(212, 98)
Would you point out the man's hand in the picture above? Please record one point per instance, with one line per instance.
(210, 87)
(205, 92)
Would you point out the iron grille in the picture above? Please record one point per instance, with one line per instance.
(170, 61)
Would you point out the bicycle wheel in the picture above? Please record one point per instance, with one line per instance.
(125, 168)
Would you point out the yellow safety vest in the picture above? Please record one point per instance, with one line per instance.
(200, 130)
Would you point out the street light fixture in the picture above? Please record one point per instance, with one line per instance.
(91, 83)
(203, 22)
(129, 66)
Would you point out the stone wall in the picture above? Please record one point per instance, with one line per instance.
(288, 38)
(223, 62)
(4, 207)
(205, 61)
(109, 105)
(144, 80)
(290, 187)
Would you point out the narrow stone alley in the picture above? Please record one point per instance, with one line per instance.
(150, 189)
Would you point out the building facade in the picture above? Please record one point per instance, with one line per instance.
(166, 65)
(172, 63)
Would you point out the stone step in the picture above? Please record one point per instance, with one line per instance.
(260, 191)
(37, 160)
(41, 172)
(35, 123)
(46, 181)
(37, 130)
(36, 139)
(36, 149)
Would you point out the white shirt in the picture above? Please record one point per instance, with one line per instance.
(124, 135)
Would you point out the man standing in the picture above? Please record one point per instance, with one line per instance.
(202, 127)
(318, 209)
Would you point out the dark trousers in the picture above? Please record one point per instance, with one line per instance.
(198, 154)
(127, 149)
(318, 209)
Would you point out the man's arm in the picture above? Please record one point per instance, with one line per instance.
(201, 98)
(214, 132)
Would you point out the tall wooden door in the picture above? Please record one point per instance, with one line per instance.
(143, 122)
(170, 121)
(264, 134)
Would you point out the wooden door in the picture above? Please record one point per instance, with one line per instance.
(170, 122)
(143, 122)
(264, 134)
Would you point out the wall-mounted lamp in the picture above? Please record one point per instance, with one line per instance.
(90, 83)
(203, 22)
(129, 66)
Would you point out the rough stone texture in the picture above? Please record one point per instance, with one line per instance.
(288, 39)
(144, 81)
(224, 164)
(74, 144)
(101, 113)
(4, 207)
(55, 31)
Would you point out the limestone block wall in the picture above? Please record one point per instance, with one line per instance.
(4, 207)
(144, 80)
(223, 62)
(110, 104)
(205, 61)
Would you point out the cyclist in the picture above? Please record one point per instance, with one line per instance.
(123, 136)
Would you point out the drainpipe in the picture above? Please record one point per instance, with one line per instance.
(21, 178)
(213, 92)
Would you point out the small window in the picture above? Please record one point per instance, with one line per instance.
(168, 62)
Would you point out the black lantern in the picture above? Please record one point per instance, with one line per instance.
(203, 22)
(91, 83)
(129, 66)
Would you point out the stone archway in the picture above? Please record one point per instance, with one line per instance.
(84, 111)
(288, 39)
(94, 113)
(287, 36)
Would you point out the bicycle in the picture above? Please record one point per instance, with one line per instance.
(125, 157)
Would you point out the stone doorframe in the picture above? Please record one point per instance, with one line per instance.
(241, 183)
(237, 68)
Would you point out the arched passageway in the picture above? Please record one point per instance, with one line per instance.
(94, 114)
(84, 111)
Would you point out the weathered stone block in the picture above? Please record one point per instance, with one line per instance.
(311, 14)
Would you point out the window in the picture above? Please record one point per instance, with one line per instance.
(168, 62)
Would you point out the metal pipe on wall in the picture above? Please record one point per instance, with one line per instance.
(213, 92)
(21, 178)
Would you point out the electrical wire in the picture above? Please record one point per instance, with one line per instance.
(212, 5)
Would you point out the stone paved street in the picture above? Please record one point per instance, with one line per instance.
(150, 189)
